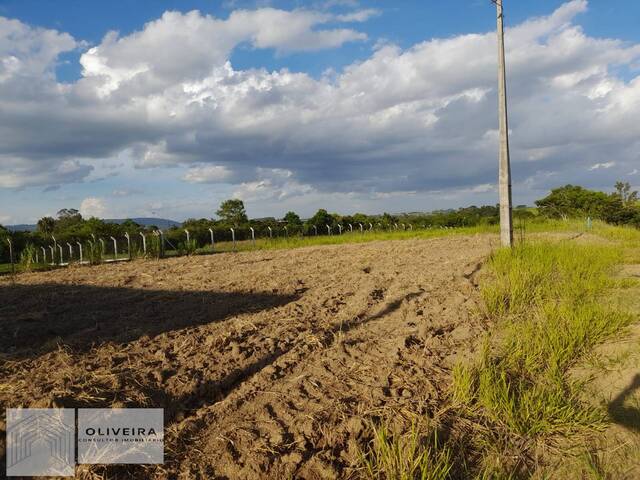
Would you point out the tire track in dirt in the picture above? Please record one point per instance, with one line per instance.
(266, 362)
(302, 417)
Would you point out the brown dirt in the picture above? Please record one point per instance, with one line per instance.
(268, 364)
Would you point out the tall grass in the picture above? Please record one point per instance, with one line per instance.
(549, 304)
(28, 258)
(413, 455)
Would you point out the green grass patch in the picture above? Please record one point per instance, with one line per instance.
(416, 454)
(548, 301)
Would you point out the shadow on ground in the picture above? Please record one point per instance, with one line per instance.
(621, 413)
(34, 319)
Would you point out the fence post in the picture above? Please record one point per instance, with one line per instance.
(80, 248)
(126, 235)
(213, 242)
(188, 237)
(233, 238)
(361, 228)
(13, 267)
(286, 232)
(144, 243)
(61, 255)
(44, 255)
(115, 248)
(161, 250)
(70, 252)
(270, 232)
(410, 227)
(371, 227)
(339, 229)
(253, 236)
(315, 229)
(329, 230)
(53, 255)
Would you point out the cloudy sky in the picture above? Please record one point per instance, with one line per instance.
(165, 108)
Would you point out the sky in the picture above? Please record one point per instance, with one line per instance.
(136, 108)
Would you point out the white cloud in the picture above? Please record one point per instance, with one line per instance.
(403, 120)
(633, 172)
(358, 15)
(93, 207)
(604, 166)
(187, 46)
(208, 174)
(272, 184)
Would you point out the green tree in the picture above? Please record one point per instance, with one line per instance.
(292, 219)
(232, 212)
(628, 197)
(320, 220)
(573, 200)
(67, 219)
(46, 225)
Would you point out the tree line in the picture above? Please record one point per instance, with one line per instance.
(570, 201)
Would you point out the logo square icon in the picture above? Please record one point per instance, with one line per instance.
(40, 442)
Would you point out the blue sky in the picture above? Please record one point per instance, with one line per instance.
(348, 105)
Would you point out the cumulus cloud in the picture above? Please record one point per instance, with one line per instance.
(420, 119)
(187, 46)
(272, 184)
(93, 207)
(208, 174)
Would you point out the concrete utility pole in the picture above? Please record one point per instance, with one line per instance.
(506, 219)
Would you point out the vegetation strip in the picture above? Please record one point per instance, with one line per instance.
(548, 304)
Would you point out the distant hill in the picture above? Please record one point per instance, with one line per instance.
(21, 228)
(161, 223)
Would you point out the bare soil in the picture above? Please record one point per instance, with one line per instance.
(269, 364)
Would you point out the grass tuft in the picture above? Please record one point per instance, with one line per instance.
(409, 456)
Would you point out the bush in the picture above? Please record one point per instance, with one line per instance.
(28, 257)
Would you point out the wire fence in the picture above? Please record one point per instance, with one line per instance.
(92, 249)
